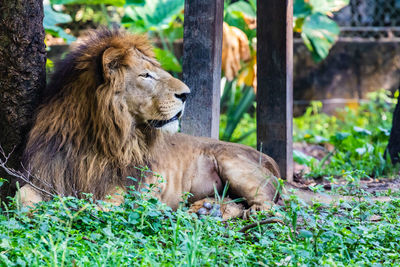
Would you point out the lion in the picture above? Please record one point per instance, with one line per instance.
(110, 108)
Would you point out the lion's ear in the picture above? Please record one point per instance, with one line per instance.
(113, 58)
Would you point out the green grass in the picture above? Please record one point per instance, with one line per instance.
(144, 232)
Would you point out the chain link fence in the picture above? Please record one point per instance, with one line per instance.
(370, 20)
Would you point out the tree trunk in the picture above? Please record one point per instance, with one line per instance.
(394, 140)
(22, 76)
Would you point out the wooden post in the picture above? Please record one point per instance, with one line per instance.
(275, 82)
(202, 46)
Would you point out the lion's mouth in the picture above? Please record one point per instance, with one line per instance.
(159, 124)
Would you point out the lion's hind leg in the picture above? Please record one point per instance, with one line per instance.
(249, 177)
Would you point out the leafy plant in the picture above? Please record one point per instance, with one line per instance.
(168, 60)
(2, 181)
(235, 101)
(318, 31)
(143, 231)
(51, 21)
(152, 15)
(311, 17)
(235, 14)
(357, 136)
(163, 20)
(90, 2)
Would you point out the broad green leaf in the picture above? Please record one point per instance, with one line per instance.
(173, 33)
(236, 112)
(108, 232)
(361, 130)
(319, 35)
(301, 9)
(244, 136)
(361, 151)
(167, 60)
(305, 233)
(386, 132)
(253, 4)
(88, 2)
(302, 158)
(135, 2)
(328, 6)
(2, 180)
(154, 15)
(52, 19)
(341, 136)
(320, 139)
(5, 244)
(236, 19)
(133, 217)
(242, 6)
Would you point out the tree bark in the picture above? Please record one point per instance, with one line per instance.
(22, 76)
(394, 140)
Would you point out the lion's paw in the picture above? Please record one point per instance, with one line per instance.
(257, 207)
(209, 207)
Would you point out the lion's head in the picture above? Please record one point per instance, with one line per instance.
(105, 106)
(150, 94)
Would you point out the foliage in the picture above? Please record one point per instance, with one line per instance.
(235, 102)
(72, 232)
(318, 31)
(153, 15)
(161, 19)
(359, 137)
(235, 14)
(51, 21)
(311, 19)
(89, 2)
(168, 60)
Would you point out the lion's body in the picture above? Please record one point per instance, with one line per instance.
(111, 108)
(196, 164)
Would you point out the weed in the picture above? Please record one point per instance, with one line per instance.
(143, 231)
(358, 136)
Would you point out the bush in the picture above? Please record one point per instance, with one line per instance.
(73, 232)
(359, 136)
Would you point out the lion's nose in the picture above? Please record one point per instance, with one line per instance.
(182, 96)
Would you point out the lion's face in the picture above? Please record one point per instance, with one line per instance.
(152, 95)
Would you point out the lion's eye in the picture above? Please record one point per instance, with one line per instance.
(146, 75)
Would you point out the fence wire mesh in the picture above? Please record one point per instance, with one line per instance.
(370, 19)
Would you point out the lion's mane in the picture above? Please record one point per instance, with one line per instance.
(83, 140)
